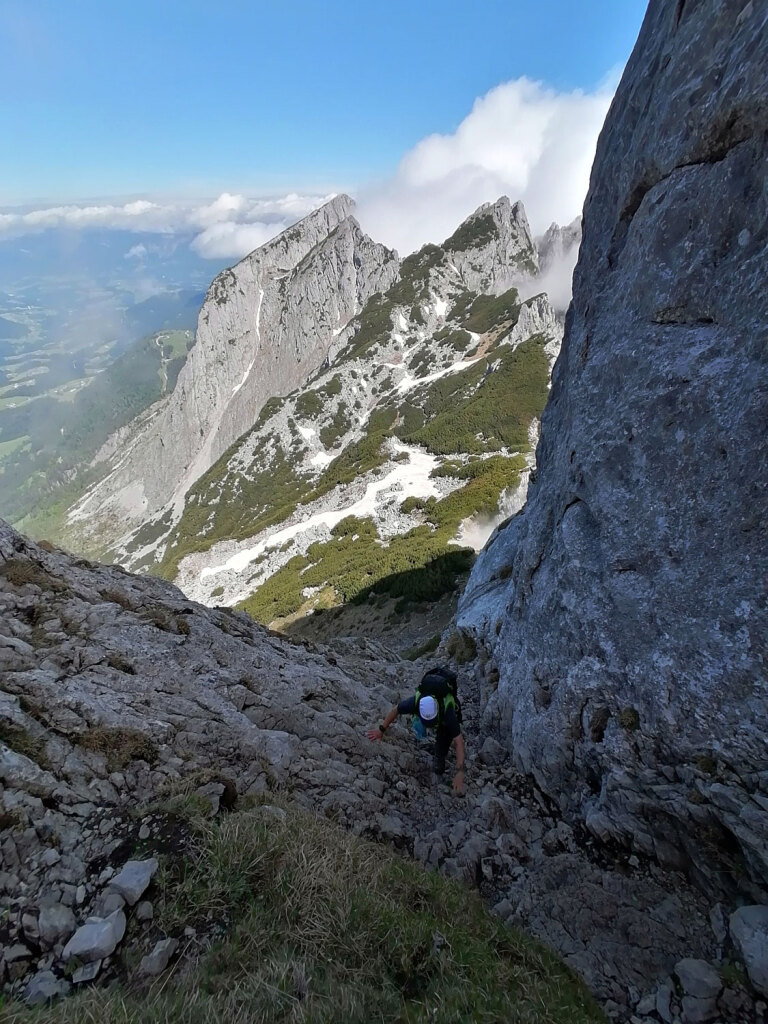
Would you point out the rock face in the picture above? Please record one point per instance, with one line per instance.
(265, 325)
(117, 692)
(626, 606)
(493, 248)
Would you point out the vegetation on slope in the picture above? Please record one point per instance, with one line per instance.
(471, 411)
(305, 923)
(475, 412)
(420, 565)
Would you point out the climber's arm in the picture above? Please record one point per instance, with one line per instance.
(405, 707)
(376, 734)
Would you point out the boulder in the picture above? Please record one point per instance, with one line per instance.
(134, 879)
(749, 931)
(698, 978)
(97, 938)
(156, 961)
(56, 923)
(43, 988)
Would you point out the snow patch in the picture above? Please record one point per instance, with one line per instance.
(306, 432)
(246, 375)
(409, 479)
(321, 459)
(408, 382)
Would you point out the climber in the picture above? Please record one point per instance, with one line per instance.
(435, 705)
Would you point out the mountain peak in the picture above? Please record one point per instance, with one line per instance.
(493, 247)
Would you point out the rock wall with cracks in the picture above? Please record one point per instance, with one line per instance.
(626, 605)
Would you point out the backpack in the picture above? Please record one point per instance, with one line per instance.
(442, 684)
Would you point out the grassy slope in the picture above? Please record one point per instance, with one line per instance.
(315, 925)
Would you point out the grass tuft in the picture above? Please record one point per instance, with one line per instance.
(119, 746)
(315, 925)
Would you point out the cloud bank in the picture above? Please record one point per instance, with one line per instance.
(230, 226)
(521, 139)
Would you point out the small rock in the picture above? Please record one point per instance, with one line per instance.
(144, 911)
(134, 879)
(749, 931)
(110, 902)
(106, 874)
(492, 752)
(16, 952)
(50, 857)
(697, 1011)
(144, 832)
(156, 961)
(401, 786)
(503, 909)
(698, 978)
(56, 924)
(43, 988)
(270, 811)
(189, 932)
(88, 972)
(80, 895)
(97, 938)
(664, 999)
(718, 922)
(30, 927)
(647, 1004)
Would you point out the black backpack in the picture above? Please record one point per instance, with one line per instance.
(442, 684)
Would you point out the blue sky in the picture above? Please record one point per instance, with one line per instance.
(110, 98)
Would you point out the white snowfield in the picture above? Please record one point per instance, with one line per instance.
(307, 432)
(409, 382)
(246, 375)
(410, 479)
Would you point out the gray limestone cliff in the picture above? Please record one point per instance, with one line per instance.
(627, 605)
(265, 325)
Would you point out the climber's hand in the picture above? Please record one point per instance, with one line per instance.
(458, 782)
(374, 734)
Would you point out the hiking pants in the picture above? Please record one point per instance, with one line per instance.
(442, 746)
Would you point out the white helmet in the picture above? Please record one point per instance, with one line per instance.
(427, 709)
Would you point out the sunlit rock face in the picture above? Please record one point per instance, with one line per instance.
(627, 604)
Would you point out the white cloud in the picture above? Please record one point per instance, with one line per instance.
(227, 227)
(521, 139)
(232, 239)
(556, 279)
(136, 252)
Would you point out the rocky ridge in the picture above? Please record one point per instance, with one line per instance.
(265, 325)
(349, 442)
(420, 344)
(118, 692)
(627, 604)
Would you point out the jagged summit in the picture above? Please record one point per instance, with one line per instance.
(557, 241)
(283, 248)
(493, 248)
(266, 324)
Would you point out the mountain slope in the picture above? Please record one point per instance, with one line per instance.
(124, 707)
(421, 417)
(265, 325)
